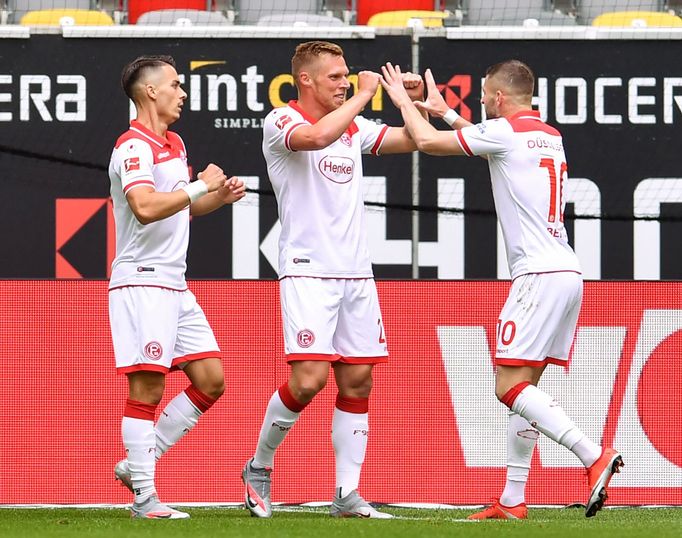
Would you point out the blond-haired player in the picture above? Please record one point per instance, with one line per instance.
(537, 323)
(156, 323)
(330, 311)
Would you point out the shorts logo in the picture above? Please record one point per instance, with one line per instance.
(131, 164)
(305, 338)
(153, 351)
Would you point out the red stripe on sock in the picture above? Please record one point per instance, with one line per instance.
(358, 406)
(201, 401)
(141, 410)
(288, 399)
(513, 393)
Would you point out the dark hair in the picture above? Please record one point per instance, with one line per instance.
(309, 51)
(514, 74)
(133, 71)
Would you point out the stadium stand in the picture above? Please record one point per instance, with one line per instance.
(66, 17)
(183, 17)
(18, 8)
(135, 8)
(587, 10)
(637, 19)
(367, 8)
(249, 12)
(514, 13)
(299, 19)
(404, 18)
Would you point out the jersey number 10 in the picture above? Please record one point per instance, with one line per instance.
(556, 203)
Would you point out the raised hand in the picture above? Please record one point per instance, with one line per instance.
(232, 190)
(434, 104)
(414, 85)
(392, 82)
(368, 82)
(213, 176)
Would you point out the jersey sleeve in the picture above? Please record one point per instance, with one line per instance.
(489, 137)
(372, 135)
(278, 128)
(133, 163)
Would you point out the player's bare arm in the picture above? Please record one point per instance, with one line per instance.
(150, 206)
(331, 126)
(398, 139)
(426, 137)
(232, 191)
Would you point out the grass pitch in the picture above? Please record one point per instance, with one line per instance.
(316, 523)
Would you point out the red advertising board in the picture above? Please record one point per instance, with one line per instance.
(437, 432)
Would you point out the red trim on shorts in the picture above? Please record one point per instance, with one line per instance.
(142, 368)
(146, 286)
(548, 273)
(137, 409)
(201, 401)
(364, 360)
(510, 397)
(328, 277)
(329, 357)
(291, 403)
(195, 357)
(380, 140)
(358, 406)
(532, 364)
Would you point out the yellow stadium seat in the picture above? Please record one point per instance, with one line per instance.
(637, 19)
(428, 19)
(63, 17)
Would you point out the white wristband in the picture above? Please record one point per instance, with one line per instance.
(450, 117)
(195, 190)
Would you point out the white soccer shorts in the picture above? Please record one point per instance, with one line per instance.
(332, 319)
(537, 323)
(158, 329)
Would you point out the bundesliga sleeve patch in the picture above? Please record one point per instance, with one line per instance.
(131, 164)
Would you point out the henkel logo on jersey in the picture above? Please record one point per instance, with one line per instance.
(336, 168)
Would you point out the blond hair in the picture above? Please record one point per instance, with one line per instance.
(308, 52)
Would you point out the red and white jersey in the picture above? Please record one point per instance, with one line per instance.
(152, 254)
(319, 196)
(528, 171)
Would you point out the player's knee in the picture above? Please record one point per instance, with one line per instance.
(307, 389)
(215, 388)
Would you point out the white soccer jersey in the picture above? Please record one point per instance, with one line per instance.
(152, 254)
(319, 196)
(528, 171)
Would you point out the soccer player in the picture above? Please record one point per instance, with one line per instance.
(156, 323)
(537, 323)
(330, 309)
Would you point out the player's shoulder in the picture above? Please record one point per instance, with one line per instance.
(494, 128)
(131, 140)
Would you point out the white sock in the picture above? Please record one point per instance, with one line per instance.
(349, 437)
(521, 439)
(544, 413)
(279, 419)
(140, 444)
(176, 420)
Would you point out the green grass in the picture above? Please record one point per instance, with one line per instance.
(236, 523)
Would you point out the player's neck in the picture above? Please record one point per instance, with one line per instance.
(311, 107)
(513, 110)
(151, 120)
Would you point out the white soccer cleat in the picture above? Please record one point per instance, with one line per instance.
(122, 473)
(153, 509)
(353, 505)
(257, 490)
